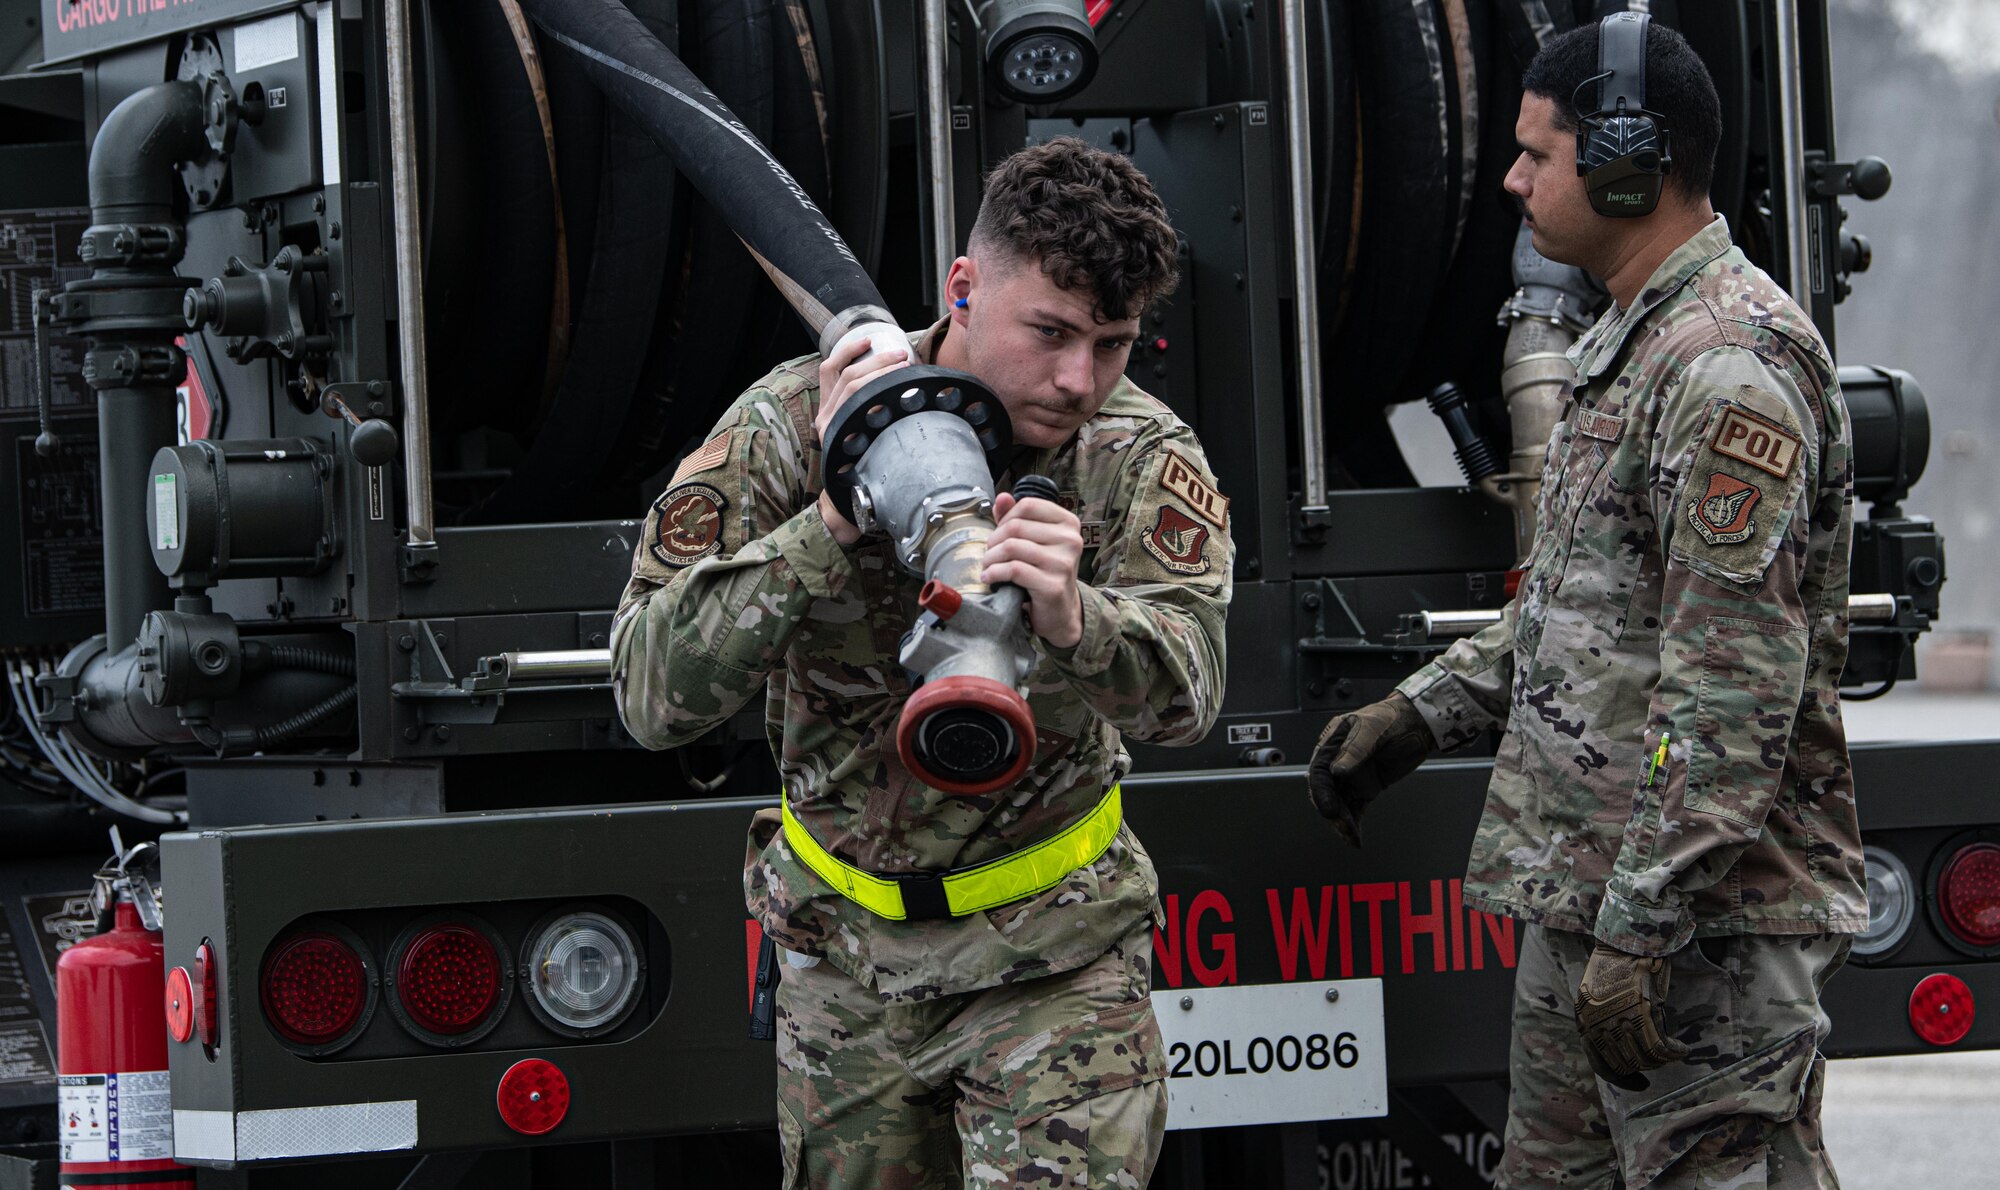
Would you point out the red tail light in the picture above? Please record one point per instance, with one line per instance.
(1969, 894)
(1941, 1009)
(204, 997)
(449, 979)
(315, 989)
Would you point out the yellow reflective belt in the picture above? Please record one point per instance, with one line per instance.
(1031, 870)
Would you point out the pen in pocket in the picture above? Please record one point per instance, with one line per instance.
(1656, 765)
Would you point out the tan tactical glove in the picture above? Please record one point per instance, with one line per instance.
(1360, 754)
(1619, 1008)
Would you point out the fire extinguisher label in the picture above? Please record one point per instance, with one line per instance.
(116, 1117)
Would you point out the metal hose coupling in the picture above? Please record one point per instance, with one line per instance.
(913, 455)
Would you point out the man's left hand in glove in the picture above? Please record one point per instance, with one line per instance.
(1620, 1010)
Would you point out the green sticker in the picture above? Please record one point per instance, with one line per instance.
(166, 514)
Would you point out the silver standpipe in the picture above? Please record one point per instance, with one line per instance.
(937, 141)
(409, 276)
(1791, 161)
(1305, 277)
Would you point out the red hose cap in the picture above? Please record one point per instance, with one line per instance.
(940, 599)
(966, 735)
(533, 1096)
(1941, 1009)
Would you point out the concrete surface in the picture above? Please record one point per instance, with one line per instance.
(1915, 1121)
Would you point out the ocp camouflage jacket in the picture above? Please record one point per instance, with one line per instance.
(1688, 583)
(738, 588)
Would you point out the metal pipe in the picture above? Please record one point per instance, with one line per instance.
(937, 139)
(1455, 623)
(1877, 607)
(1874, 607)
(1305, 280)
(553, 664)
(1791, 152)
(409, 273)
(134, 309)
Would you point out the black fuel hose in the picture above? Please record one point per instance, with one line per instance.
(311, 717)
(792, 238)
(258, 656)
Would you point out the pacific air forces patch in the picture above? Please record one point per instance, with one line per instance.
(1176, 540)
(1723, 513)
(687, 524)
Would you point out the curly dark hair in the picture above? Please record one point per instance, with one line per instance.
(1088, 217)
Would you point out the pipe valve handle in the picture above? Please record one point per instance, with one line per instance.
(1035, 487)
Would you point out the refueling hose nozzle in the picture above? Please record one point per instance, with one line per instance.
(913, 455)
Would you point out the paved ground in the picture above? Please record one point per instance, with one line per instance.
(1923, 1121)
(1915, 715)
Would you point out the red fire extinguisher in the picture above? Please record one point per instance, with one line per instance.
(116, 1120)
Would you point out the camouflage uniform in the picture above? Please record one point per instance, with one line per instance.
(1730, 995)
(1689, 582)
(891, 1027)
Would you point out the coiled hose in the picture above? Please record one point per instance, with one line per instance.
(791, 237)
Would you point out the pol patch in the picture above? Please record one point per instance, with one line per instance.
(689, 525)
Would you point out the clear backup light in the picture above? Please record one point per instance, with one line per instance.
(583, 971)
(1892, 903)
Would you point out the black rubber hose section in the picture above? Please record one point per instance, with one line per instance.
(315, 660)
(312, 716)
(731, 169)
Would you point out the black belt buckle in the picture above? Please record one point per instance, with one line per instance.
(923, 896)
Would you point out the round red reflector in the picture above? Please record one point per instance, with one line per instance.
(533, 1096)
(1969, 894)
(449, 978)
(204, 997)
(1941, 1009)
(314, 988)
(180, 1004)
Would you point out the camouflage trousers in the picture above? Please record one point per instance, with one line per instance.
(1742, 1111)
(1048, 1082)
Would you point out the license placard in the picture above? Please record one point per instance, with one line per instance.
(1274, 1053)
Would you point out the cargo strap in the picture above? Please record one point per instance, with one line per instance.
(936, 896)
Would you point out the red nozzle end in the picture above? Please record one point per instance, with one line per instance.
(940, 599)
(966, 735)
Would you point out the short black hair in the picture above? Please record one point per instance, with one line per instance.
(1678, 88)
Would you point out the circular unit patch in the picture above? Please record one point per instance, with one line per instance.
(690, 524)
